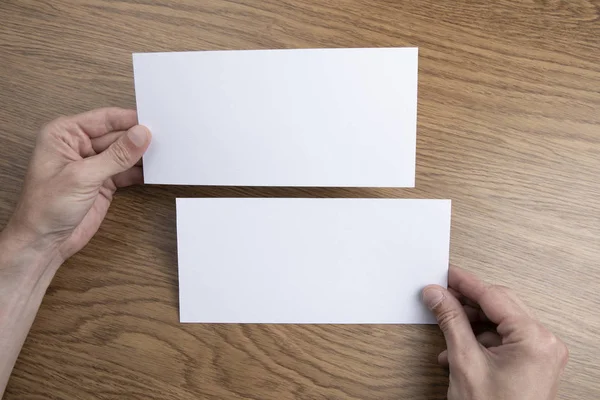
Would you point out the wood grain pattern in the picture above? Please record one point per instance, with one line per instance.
(508, 127)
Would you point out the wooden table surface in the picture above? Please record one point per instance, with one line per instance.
(508, 128)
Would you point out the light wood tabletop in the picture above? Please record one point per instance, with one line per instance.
(508, 128)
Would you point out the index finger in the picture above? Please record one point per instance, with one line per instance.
(495, 301)
(101, 121)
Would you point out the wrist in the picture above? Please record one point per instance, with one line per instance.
(27, 253)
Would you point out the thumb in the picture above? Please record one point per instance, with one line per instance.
(452, 319)
(119, 156)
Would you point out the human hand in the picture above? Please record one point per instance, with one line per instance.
(77, 165)
(517, 359)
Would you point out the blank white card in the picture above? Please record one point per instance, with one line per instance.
(268, 260)
(312, 117)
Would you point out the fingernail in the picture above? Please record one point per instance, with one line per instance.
(138, 135)
(432, 297)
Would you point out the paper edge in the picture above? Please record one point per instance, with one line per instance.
(180, 200)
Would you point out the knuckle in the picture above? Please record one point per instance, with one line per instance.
(61, 121)
(537, 331)
(547, 345)
(563, 352)
(46, 129)
(55, 123)
(518, 323)
(52, 127)
(120, 154)
(446, 317)
(496, 292)
(501, 290)
(544, 338)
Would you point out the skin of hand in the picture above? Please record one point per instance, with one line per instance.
(77, 165)
(80, 161)
(514, 358)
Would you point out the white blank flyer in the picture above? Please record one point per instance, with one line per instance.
(343, 261)
(308, 117)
